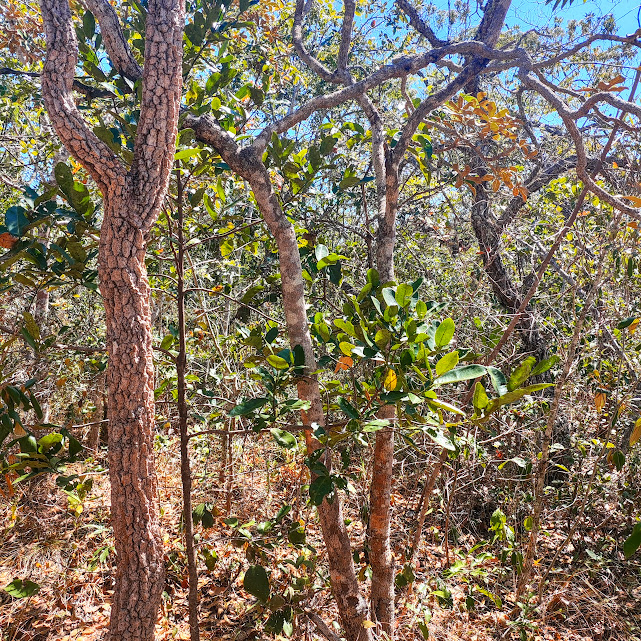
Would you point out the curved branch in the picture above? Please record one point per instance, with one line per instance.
(297, 36)
(114, 40)
(57, 83)
(567, 117)
(400, 67)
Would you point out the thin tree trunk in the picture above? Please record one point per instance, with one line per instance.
(185, 467)
(381, 555)
(425, 505)
(247, 162)
(351, 605)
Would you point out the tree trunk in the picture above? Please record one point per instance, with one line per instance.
(130, 382)
(132, 197)
(345, 588)
(381, 557)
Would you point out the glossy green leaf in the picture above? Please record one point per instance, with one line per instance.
(444, 333)
(446, 363)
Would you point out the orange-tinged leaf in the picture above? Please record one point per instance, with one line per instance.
(599, 401)
(633, 325)
(636, 432)
(344, 363)
(635, 200)
(7, 241)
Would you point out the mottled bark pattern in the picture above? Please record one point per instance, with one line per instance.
(130, 381)
(345, 588)
(132, 201)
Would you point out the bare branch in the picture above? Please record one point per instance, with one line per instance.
(161, 90)
(346, 35)
(533, 83)
(114, 40)
(80, 87)
(57, 83)
(419, 24)
(297, 36)
(399, 68)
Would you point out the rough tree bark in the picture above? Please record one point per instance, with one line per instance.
(132, 201)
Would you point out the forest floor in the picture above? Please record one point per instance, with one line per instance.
(66, 548)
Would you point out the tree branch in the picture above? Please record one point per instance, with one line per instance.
(57, 83)
(419, 24)
(161, 90)
(114, 40)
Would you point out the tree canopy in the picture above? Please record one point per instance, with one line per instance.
(337, 302)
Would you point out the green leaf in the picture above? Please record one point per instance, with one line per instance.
(186, 153)
(480, 399)
(346, 347)
(283, 438)
(446, 363)
(88, 25)
(544, 365)
(633, 542)
(211, 558)
(511, 397)
(247, 407)
(347, 408)
(444, 333)
(319, 488)
(375, 425)
(521, 373)
(618, 458)
(389, 296)
(20, 589)
(403, 294)
(626, 322)
(256, 582)
(459, 374)
(346, 326)
(445, 406)
(277, 362)
(203, 514)
(16, 220)
(499, 382)
(64, 177)
(321, 251)
(29, 339)
(382, 338)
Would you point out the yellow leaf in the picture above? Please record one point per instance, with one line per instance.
(368, 624)
(390, 381)
(599, 401)
(636, 433)
(633, 326)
